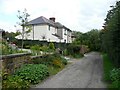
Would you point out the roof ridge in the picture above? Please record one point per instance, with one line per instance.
(44, 18)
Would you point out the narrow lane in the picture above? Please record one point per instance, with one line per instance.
(84, 73)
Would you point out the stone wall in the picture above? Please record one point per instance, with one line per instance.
(13, 61)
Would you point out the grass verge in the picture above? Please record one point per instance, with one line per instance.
(108, 66)
(109, 74)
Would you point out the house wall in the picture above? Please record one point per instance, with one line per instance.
(40, 31)
(50, 36)
(69, 39)
(47, 31)
(64, 35)
(59, 32)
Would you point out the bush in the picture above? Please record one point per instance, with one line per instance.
(49, 59)
(77, 55)
(33, 73)
(108, 66)
(51, 46)
(35, 49)
(74, 51)
(14, 82)
(115, 78)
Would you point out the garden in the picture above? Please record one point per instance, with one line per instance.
(48, 60)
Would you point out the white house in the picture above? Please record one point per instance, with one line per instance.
(49, 30)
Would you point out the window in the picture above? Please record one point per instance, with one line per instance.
(65, 41)
(49, 27)
(65, 32)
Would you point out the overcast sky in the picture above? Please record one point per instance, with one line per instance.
(78, 15)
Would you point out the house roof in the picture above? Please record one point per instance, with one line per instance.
(59, 25)
(41, 20)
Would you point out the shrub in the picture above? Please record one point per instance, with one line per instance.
(35, 49)
(14, 82)
(57, 63)
(115, 78)
(74, 51)
(33, 73)
(77, 55)
(65, 52)
(49, 59)
(51, 46)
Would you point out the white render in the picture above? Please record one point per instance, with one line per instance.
(48, 33)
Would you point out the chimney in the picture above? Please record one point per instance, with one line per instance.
(52, 19)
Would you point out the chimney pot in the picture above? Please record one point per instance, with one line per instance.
(52, 19)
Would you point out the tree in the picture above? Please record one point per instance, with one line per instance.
(111, 34)
(23, 17)
(91, 39)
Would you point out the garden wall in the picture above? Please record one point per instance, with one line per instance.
(13, 61)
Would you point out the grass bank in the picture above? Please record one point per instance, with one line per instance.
(111, 73)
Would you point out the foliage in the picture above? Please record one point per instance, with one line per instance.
(53, 70)
(74, 51)
(51, 46)
(6, 48)
(108, 66)
(111, 34)
(57, 63)
(65, 52)
(33, 73)
(10, 37)
(111, 74)
(91, 39)
(15, 83)
(115, 78)
(51, 60)
(35, 49)
(44, 48)
(24, 24)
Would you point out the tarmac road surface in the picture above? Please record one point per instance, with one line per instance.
(84, 73)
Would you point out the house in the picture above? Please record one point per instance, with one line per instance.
(48, 30)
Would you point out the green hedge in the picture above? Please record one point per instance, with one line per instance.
(29, 43)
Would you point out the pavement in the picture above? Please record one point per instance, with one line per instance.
(84, 73)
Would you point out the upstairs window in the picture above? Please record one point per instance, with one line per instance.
(49, 27)
(65, 32)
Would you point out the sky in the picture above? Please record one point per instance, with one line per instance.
(77, 15)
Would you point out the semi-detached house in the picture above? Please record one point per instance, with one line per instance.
(48, 30)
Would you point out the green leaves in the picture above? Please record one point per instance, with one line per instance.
(33, 73)
(111, 34)
(15, 83)
(115, 77)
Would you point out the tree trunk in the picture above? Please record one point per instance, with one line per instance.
(23, 28)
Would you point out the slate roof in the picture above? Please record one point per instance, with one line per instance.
(43, 20)
(59, 25)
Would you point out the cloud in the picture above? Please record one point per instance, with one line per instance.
(79, 15)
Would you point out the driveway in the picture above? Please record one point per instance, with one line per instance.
(84, 73)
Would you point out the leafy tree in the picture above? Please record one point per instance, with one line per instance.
(111, 33)
(23, 17)
(91, 39)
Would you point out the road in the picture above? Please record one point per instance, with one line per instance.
(84, 73)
